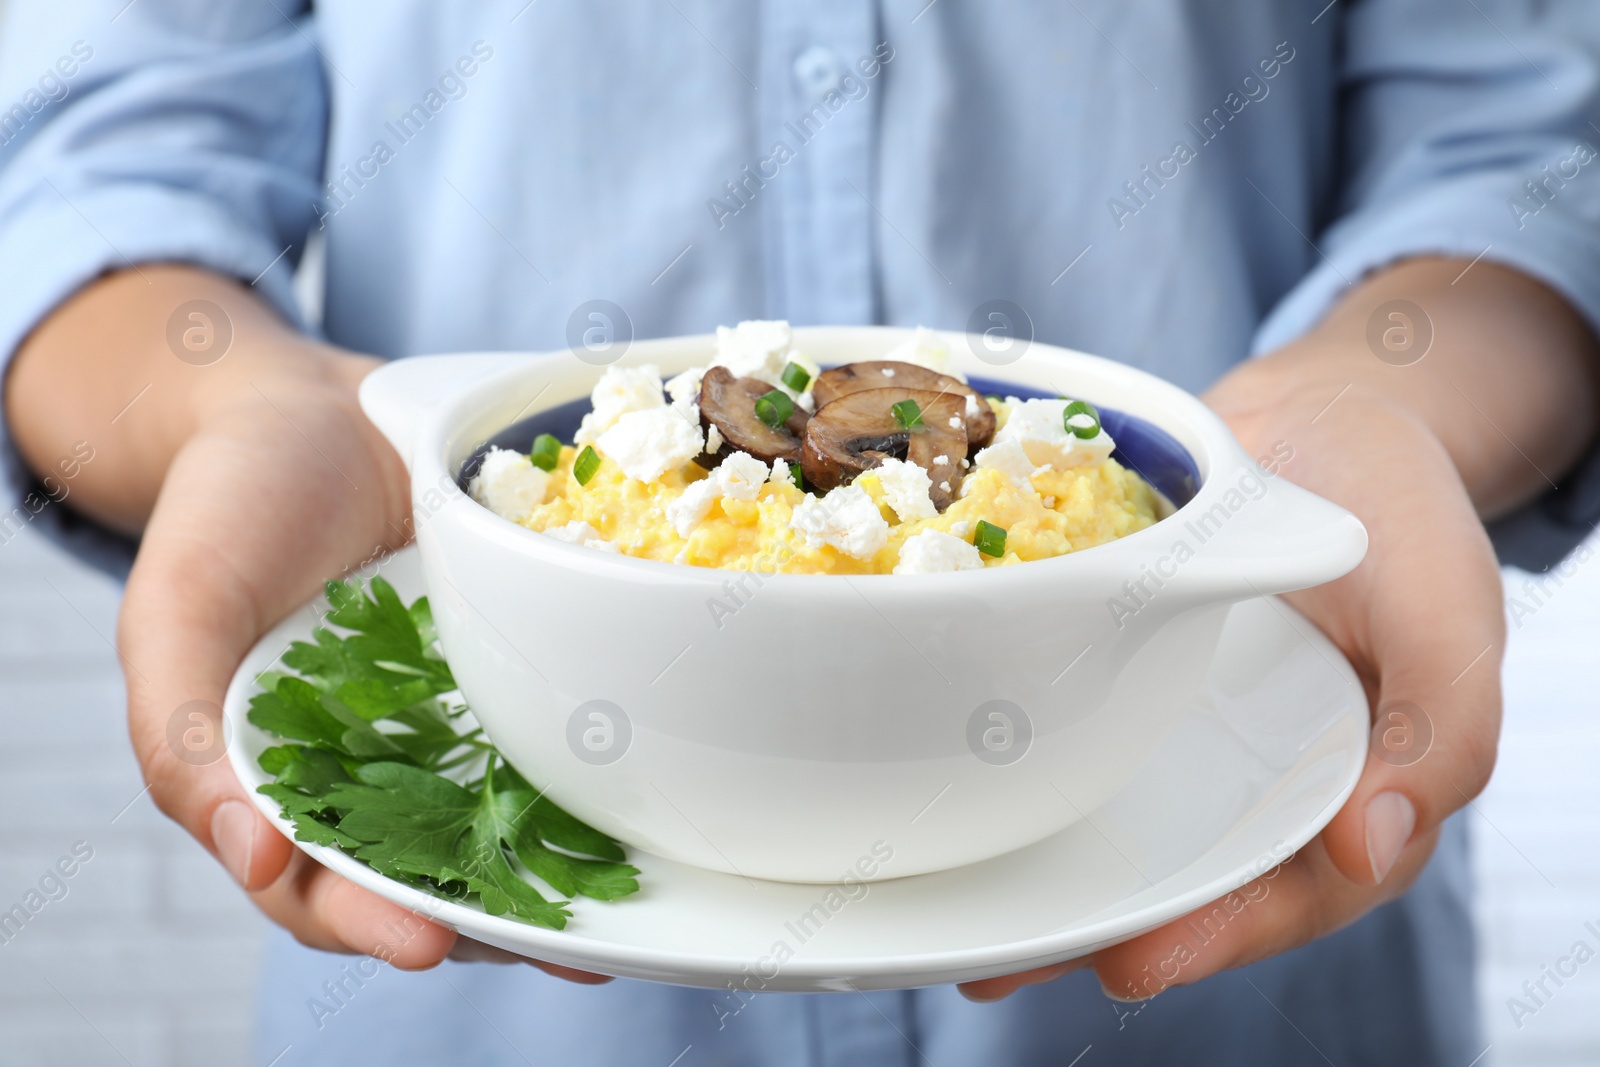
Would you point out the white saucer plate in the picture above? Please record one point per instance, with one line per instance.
(1259, 764)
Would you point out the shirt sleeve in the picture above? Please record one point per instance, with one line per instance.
(167, 131)
(1467, 131)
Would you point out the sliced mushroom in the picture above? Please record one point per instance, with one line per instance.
(729, 403)
(835, 382)
(858, 431)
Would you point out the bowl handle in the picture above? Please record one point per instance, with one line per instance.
(397, 395)
(1263, 534)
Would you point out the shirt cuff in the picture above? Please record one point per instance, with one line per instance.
(52, 248)
(1471, 220)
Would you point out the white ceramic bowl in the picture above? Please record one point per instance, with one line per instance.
(869, 726)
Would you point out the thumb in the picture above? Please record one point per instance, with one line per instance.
(1433, 647)
(186, 622)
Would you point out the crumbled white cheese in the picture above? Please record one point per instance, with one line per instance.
(955, 422)
(619, 391)
(692, 506)
(887, 372)
(926, 348)
(945, 485)
(1011, 459)
(781, 474)
(647, 444)
(508, 484)
(933, 552)
(741, 476)
(714, 440)
(754, 349)
(939, 460)
(578, 532)
(973, 405)
(685, 386)
(684, 390)
(905, 489)
(845, 519)
(1038, 426)
(961, 528)
(1049, 502)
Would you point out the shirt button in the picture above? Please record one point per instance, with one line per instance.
(818, 70)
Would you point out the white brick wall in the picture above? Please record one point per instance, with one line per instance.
(151, 957)
(1538, 834)
(153, 952)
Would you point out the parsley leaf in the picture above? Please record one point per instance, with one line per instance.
(388, 663)
(382, 795)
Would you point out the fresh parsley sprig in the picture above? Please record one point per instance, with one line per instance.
(382, 794)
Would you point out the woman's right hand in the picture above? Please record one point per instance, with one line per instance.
(254, 478)
(281, 485)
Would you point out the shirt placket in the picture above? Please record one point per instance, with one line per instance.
(816, 167)
(856, 1028)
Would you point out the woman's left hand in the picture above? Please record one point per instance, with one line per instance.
(1422, 621)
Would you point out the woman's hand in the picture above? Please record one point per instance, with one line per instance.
(282, 485)
(1422, 621)
(1407, 442)
(254, 478)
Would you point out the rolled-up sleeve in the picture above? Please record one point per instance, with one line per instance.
(1468, 131)
(166, 131)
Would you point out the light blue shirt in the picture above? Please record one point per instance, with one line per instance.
(1170, 183)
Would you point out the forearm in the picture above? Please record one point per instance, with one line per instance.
(1510, 385)
(102, 370)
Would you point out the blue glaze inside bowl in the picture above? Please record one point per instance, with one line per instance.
(1155, 455)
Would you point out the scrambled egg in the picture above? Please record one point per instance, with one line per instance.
(1065, 511)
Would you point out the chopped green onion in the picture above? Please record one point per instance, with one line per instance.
(546, 452)
(989, 539)
(774, 408)
(1085, 409)
(908, 414)
(796, 474)
(585, 465)
(795, 377)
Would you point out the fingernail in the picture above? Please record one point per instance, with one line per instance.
(1390, 820)
(1106, 992)
(233, 832)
